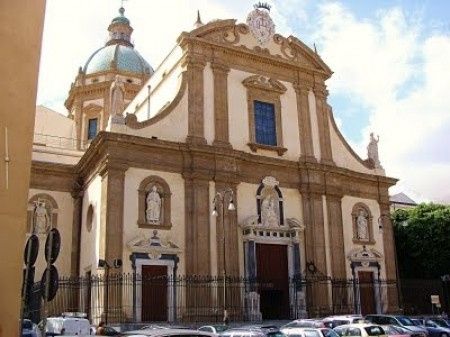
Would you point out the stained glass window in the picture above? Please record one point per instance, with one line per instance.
(265, 124)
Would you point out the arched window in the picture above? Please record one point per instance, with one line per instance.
(362, 224)
(154, 203)
(42, 214)
(269, 203)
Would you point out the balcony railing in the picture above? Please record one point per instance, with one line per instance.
(59, 142)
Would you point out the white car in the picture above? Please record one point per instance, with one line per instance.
(301, 332)
(68, 326)
(360, 330)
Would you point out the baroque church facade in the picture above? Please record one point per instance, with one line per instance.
(226, 158)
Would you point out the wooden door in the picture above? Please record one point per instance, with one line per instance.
(272, 273)
(154, 293)
(366, 292)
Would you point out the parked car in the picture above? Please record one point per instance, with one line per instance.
(398, 320)
(434, 330)
(216, 329)
(253, 331)
(29, 329)
(69, 325)
(396, 331)
(305, 323)
(439, 321)
(301, 332)
(327, 332)
(167, 332)
(334, 321)
(360, 330)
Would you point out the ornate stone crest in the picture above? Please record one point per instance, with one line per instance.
(260, 23)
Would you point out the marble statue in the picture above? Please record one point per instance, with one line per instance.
(269, 214)
(117, 96)
(362, 226)
(153, 210)
(372, 150)
(41, 218)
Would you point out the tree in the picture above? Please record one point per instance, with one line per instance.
(422, 238)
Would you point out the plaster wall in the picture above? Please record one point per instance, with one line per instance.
(239, 119)
(56, 155)
(65, 216)
(314, 125)
(173, 127)
(133, 178)
(347, 205)
(90, 240)
(50, 122)
(163, 84)
(342, 156)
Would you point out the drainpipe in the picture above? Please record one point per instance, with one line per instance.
(149, 87)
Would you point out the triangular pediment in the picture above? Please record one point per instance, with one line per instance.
(234, 35)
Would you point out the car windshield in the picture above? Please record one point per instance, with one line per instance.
(441, 322)
(329, 333)
(374, 331)
(312, 333)
(405, 321)
(276, 334)
(220, 328)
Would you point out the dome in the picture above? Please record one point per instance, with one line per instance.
(117, 57)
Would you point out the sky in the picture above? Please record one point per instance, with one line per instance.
(391, 64)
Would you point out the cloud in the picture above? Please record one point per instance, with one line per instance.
(398, 74)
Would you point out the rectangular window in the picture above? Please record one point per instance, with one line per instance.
(265, 124)
(92, 128)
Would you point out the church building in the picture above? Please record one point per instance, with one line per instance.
(225, 160)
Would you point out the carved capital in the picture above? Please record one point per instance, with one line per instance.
(302, 86)
(320, 91)
(219, 68)
(194, 61)
(109, 166)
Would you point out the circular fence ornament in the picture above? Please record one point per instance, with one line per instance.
(260, 23)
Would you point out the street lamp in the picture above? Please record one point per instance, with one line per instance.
(117, 263)
(220, 198)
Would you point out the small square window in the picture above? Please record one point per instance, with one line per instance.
(92, 128)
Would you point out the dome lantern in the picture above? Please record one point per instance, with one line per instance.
(120, 30)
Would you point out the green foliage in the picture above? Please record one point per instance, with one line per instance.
(422, 237)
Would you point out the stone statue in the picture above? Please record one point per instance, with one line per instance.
(362, 226)
(41, 218)
(372, 150)
(117, 96)
(153, 211)
(269, 214)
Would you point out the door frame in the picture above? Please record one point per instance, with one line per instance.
(376, 287)
(170, 264)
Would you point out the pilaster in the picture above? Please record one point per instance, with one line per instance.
(77, 196)
(220, 72)
(336, 234)
(195, 65)
(304, 121)
(321, 94)
(197, 235)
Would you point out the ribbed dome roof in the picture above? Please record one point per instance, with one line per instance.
(117, 57)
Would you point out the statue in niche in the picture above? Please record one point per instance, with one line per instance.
(117, 96)
(41, 218)
(269, 214)
(153, 210)
(362, 226)
(372, 150)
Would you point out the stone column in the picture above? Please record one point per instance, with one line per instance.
(112, 204)
(195, 65)
(321, 94)
(111, 235)
(390, 258)
(220, 71)
(336, 234)
(197, 248)
(304, 121)
(231, 234)
(77, 196)
(316, 267)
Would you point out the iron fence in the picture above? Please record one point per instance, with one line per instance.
(122, 298)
